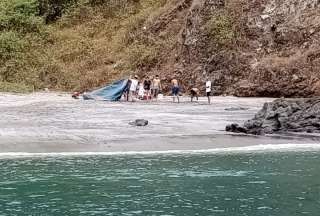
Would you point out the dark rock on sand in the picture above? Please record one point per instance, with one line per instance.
(139, 122)
(236, 128)
(236, 109)
(283, 115)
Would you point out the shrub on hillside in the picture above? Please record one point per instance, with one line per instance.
(20, 15)
(220, 30)
(141, 56)
(10, 45)
(82, 49)
(51, 10)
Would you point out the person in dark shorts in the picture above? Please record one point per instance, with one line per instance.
(175, 89)
(156, 87)
(147, 87)
(208, 90)
(127, 90)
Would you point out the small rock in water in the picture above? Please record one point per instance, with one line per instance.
(139, 122)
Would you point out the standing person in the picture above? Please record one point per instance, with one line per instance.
(156, 86)
(147, 87)
(208, 89)
(133, 87)
(175, 89)
(141, 91)
(127, 90)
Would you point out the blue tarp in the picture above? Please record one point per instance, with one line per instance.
(111, 92)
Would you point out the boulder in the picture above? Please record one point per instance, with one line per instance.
(139, 123)
(236, 128)
(283, 115)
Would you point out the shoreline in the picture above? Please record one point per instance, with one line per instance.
(54, 123)
(256, 149)
(178, 144)
(69, 94)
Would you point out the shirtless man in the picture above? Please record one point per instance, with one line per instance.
(156, 86)
(175, 89)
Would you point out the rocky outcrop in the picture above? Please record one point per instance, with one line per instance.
(283, 115)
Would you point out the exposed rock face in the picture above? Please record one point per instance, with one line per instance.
(247, 47)
(283, 115)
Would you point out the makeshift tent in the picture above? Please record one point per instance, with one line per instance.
(111, 92)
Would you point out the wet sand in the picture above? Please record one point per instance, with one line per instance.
(54, 123)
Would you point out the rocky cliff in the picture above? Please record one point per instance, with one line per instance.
(247, 47)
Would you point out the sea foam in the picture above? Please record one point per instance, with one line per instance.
(230, 150)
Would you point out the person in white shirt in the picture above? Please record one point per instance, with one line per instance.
(141, 91)
(133, 87)
(208, 89)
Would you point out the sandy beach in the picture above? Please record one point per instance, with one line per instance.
(56, 123)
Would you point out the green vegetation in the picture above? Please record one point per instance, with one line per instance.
(15, 87)
(220, 29)
(20, 16)
(73, 44)
(23, 35)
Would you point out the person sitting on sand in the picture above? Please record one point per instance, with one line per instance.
(156, 86)
(175, 89)
(76, 95)
(194, 94)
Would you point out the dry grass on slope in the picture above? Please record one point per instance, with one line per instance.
(91, 46)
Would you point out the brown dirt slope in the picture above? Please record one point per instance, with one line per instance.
(247, 47)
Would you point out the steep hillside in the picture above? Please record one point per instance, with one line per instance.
(247, 47)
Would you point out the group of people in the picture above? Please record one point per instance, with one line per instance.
(149, 89)
(144, 90)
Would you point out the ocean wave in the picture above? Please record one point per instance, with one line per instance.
(229, 150)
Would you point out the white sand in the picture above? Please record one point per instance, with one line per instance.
(52, 122)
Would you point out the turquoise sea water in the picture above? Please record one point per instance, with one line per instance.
(263, 184)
